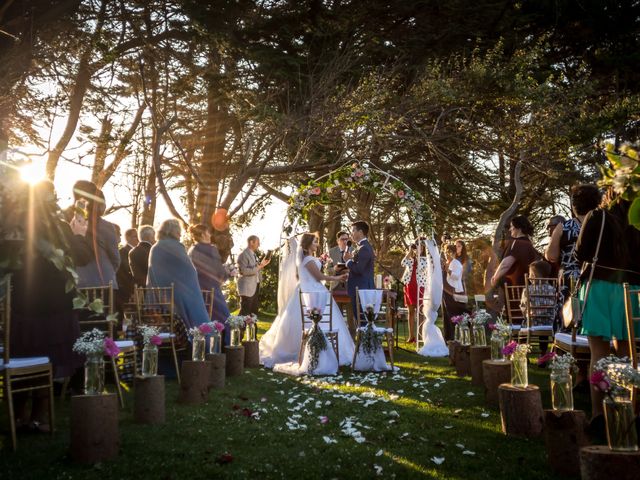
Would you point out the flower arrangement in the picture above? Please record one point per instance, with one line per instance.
(514, 349)
(502, 328)
(614, 376)
(201, 330)
(369, 313)
(481, 317)
(251, 319)
(519, 363)
(316, 339)
(219, 327)
(94, 343)
(150, 335)
(236, 321)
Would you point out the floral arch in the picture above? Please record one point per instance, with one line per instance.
(351, 177)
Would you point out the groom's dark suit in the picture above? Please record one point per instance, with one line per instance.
(360, 271)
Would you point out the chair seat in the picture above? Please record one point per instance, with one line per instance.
(124, 344)
(166, 335)
(377, 329)
(24, 362)
(565, 338)
(538, 328)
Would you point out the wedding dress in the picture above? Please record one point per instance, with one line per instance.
(280, 345)
(434, 344)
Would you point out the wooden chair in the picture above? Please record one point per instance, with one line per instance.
(515, 317)
(327, 320)
(209, 296)
(124, 365)
(18, 375)
(156, 307)
(541, 303)
(633, 319)
(387, 330)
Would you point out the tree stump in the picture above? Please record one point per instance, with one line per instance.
(95, 435)
(521, 410)
(251, 354)
(452, 344)
(564, 436)
(600, 463)
(235, 360)
(149, 401)
(217, 370)
(194, 384)
(494, 374)
(462, 360)
(476, 357)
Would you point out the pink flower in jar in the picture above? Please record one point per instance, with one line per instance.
(156, 340)
(599, 381)
(205, 329)
(218, 326)
(110, 347)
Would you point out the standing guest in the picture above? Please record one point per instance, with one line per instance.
(123, 275)
(170, 264)
(45, 322)
(551, 226)
(250, 277)
(452, 287)
(139, 255)
(337, 257)
(464, 258)
(102, 237)
(517, 255)
(211, 272)
(360, 263)
(562, 245)
(603, 318)
(415, 274)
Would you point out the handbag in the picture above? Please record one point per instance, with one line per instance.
(572, 309)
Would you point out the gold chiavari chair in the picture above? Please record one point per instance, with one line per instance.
(124, 365)
(156, 307)
(387, 330)
(18, 375)
(327, 321)
(632, 313)
(541, 303)
(515, 317)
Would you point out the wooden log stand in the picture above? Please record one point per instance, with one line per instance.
(251, 354)
(235, 360)
(476, 357)
(452, 344)
(600, 463)
(521, 410)
(217, 369)
(95, 433)
(462, 362)
(564, 436)
(194, 384)
(149, 401)
(494, 374)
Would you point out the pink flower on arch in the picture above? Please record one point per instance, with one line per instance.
(205, 329)
(400, 193)
(316, 191)
(156, 340)
(110, 347)
(359, 173)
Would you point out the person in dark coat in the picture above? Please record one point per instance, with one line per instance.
(123, 274)
(139, 255)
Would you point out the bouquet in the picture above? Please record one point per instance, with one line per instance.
(218, 326)
(96, 342)
(150, 335)
(316, 340)
(481, 317)
(325, 260)
(236, 321)
(515, 350)
(369, 313)
(501, 327)
(201, 330)
(614, 376)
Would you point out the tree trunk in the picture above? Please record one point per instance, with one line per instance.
(521, 410)
(102, 149)
(149, 201)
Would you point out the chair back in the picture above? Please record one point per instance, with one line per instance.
(98, 320)
(541, 300)
(156, 307)
(632, 312)
(381, 301)
(320, 299)
(513, 295)
(5, 316)
(208, 297)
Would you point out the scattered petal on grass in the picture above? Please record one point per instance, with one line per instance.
(437, 460)
(225, 458)
(404, 435)
(379, 452)
(378, 469)
(460, 446)
(470, 394)
(468, 452)
(329, 440)
(448, 427)
(485, 414)
(324, 419)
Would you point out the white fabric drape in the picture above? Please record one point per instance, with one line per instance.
(287, 277)
(434, 344)
(371, 297)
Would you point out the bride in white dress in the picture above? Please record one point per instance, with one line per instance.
(280, 345)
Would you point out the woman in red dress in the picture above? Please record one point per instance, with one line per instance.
(415, 267)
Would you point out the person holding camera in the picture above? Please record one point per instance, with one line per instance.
(414, 279)
(250, 270)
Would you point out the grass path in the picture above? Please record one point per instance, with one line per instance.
(423, 422)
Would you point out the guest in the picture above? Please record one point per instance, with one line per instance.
(541, 296)
(170, 264)
(123, 275)
(44, 320)
(517, 255)
(250, 277)
(452, 287)
(603, 318)
(560, 250)
(211, 272)
(102, 237)
(337, 257)
(465, 260)
(415, 274)
(139, 255)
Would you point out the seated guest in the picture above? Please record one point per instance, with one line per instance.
(170, 264)
(123, 275)
(211, 272)
(44, 320)
(542, 299)
(139, 255)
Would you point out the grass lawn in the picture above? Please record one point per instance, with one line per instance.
(423, 422)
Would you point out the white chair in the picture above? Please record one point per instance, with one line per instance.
(322, 301)
(376, 299)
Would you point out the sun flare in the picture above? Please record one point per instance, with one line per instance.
(32, 173)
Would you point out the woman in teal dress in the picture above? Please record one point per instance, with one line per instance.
(603, 319)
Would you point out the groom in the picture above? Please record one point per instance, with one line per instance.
(359, 262)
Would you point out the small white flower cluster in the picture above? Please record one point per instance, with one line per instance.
(522, 350)
(466, 320)
(147, 332)
(90, 343)
(619, 371)
(235, 321)
(563, 363)
(481, 317)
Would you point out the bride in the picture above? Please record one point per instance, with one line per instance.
(300, 270)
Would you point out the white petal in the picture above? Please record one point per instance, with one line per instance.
(437, 460)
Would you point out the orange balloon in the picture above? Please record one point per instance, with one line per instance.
(220, 219)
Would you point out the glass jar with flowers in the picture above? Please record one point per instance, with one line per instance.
(561, 380)
(251, 323)
(236, 323)
(480, 319)
(151, 341)
(465, 330)
(500, 333)
(616, 378)
(517, 353)
(215, 340)
(198, 335)
(95, 345)
(457, 334)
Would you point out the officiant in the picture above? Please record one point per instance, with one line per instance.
(337, 258)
